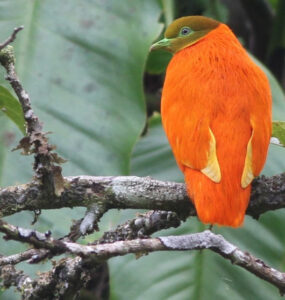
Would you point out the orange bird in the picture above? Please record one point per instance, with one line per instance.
(216, 112)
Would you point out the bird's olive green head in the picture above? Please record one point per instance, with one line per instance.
(184, 32)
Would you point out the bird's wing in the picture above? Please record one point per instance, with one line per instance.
(193, 144)
(212, 168)
(257, 147)
(247, 174)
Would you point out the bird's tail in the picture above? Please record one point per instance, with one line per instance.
(221, 203)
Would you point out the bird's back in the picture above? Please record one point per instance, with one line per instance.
(214, 95)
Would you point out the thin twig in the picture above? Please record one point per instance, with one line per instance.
(46, 170)
(91, 218)
(12, 37)
(32, 256)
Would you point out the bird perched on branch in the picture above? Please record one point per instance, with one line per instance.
(216, 112)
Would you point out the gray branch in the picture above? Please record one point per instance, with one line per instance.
(218, 244)
(63, 282)
(94, 254)
(123, 192)
(91, 218)
(31, 255)
(141, 227)
(11, 277)
(11, 38)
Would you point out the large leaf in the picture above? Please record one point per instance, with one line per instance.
(82, 64)
(153, 156)
(84, 75)
(201, 275)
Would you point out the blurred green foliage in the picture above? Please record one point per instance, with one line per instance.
(83, 66)
(278, 131)
(11, 107)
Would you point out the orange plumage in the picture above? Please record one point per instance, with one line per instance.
(216, 112)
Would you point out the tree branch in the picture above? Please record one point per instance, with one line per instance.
(32, 255)
(141, 227)
(91, 218)
(11, 38)
(122, 192)
(11, 277)
(218, 244)
(95, 254)
(63, 282)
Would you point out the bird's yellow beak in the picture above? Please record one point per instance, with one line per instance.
(163, 44)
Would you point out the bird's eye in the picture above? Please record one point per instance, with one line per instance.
(185, 31)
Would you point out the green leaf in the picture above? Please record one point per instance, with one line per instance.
(274, 3)
(168, 11)
(84, 76)
(152, 155)
(157, 61)
(277, 38)
(278, 131)
(217, 10)
(82, 63)
(11, 107)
